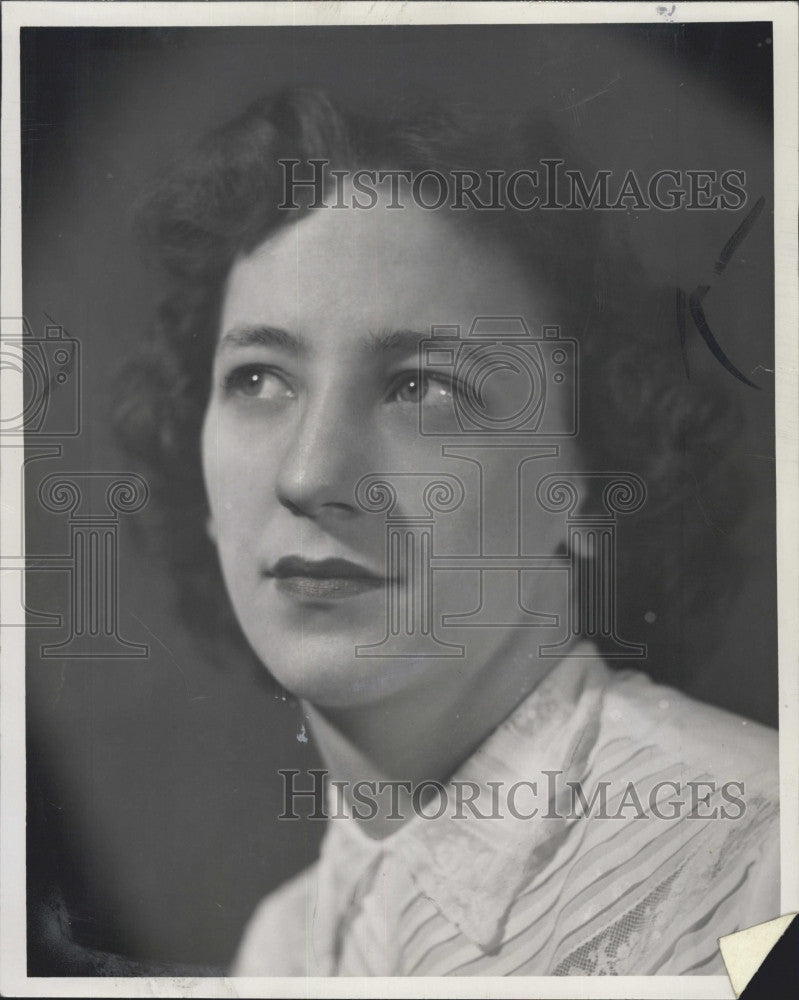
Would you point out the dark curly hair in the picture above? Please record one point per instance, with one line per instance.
(639, 412)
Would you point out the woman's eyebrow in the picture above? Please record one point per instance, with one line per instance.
(261, 336)
(389, 341)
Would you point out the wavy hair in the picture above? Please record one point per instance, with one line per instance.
(639, 412)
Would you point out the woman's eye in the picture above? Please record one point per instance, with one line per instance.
(257, 382)
(414, 387)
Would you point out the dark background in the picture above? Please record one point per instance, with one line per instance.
(153, 784)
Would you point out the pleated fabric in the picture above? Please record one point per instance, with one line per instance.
(674, 844)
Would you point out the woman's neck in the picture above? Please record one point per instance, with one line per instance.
(407, 739)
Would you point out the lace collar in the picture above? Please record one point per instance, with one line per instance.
(473, 866)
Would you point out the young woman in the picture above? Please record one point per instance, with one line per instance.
(504, 803)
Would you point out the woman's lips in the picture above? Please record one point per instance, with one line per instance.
(324, 579)
(330, 589)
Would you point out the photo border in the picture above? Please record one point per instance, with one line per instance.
(15, 15)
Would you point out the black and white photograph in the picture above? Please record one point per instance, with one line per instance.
(400, 471)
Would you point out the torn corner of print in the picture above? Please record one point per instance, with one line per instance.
(745, 951)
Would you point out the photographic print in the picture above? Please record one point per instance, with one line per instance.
(399, 488)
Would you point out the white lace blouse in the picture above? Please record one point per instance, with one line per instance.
(671, 842)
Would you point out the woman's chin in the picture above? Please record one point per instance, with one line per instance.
(329, 673)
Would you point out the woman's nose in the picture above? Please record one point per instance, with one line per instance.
(322, 460)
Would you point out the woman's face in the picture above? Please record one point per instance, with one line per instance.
(317, 384)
